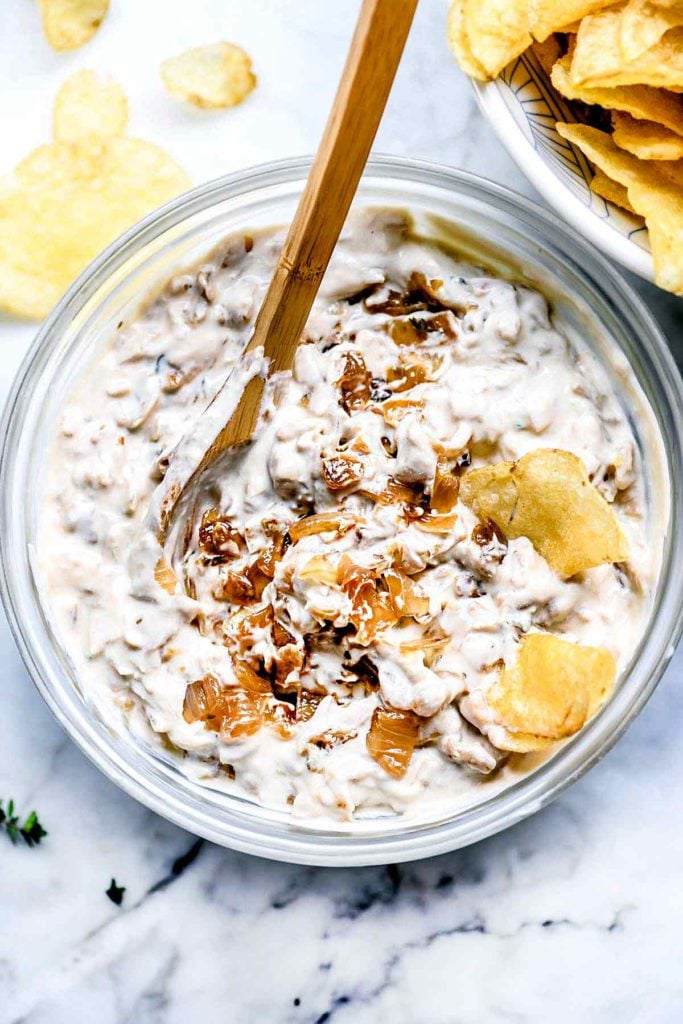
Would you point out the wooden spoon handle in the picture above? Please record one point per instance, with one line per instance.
(376, 49)
(375, 52)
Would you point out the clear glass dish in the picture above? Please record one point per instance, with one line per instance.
(591, 296)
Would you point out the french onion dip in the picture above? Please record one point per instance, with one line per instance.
(430, 562)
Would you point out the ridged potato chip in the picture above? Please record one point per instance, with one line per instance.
(548, 16)
(643, 24)
(459, 43)
(646, 139)
(212, 76)
(88, 105)
(70, 198)
(498, 31)
(598, 59)
(68, 24)
(547, 496)
(485, 35)
(611, 190)
(654, 191)
(549, 692)
(548, 53)
(641, 101)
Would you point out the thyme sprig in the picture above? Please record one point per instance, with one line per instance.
(31, 831)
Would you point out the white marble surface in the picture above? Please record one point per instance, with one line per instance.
(572, 916)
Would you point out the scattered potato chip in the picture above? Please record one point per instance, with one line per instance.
(641, 101)
(88, 105)
(612, 191)
(654, 191)
(646, 139)
(598, 59)
(548, 497)
(643, 24)
(68, 24)
(459, 44)
(69, 199)
(216, 75)
(548, 16)
(550, 691)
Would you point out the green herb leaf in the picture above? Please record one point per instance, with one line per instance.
(31, 831)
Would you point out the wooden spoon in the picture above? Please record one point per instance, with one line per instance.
(376, 49)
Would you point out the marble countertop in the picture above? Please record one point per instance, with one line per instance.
(571, 916)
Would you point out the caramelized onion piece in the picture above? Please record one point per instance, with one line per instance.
(202, 699)
(485, 533)
(288, 663)
(321, 522)
(261, 618)
(267, 560)
(372, 611)
(307, 702)
(408, 332)
(395, 493)
(250, 680)
(340, 471)
(436, 523)
(239, 716)
(395, 409)
(445, 489)
(392, 738)
(354, 383)
(404, 597)
(319, 569)
(237, 711)
(217, 538)
(280, 716)
(235, 587)
(164, 575)
(415, 371)
(281, 636)
(242, 586)
(430, 647)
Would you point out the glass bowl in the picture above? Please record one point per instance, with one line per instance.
(592, 299)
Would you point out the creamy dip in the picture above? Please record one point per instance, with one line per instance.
(329, 570)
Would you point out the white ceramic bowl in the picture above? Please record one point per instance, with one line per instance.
(523, 107)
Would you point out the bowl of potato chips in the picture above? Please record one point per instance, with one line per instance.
(586, 97)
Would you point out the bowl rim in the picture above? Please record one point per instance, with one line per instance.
(299, 845)
(552, 188)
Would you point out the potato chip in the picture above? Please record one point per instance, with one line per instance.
(654, 191)
(547, 496)
(459, 44)
(550, 691)
(547, 53)
(68, 24)
(548, 16)
(69, 199)
(216, 75)
(496, 31)
(644, 23)
(641, 101)
(598, 59)
(646, 139)
(89, 105)
(610, 190)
